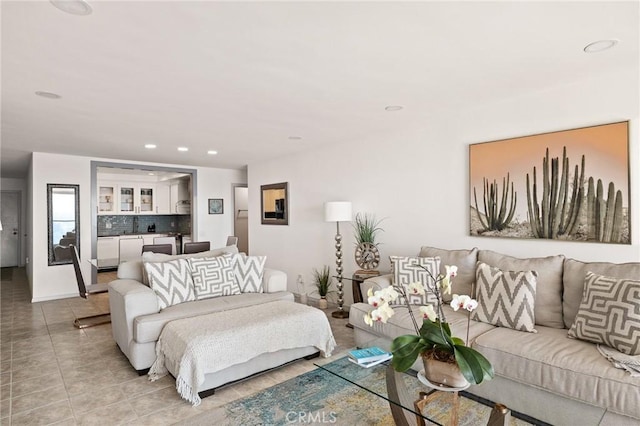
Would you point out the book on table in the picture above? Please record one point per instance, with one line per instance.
(372, 363)
(367, 355)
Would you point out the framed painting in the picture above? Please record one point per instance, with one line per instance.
(216, 206)
(567, 185)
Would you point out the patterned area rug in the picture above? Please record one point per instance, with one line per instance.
(319, 397)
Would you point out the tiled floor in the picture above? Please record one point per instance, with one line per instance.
(53, 373)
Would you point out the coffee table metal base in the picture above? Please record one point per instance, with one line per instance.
(500, 415)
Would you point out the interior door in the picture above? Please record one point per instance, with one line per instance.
(10, 234)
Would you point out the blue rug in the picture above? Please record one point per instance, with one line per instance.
(320, 397)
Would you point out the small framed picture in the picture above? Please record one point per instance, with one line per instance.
(216, 206)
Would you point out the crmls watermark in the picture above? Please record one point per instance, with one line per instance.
(307, 417)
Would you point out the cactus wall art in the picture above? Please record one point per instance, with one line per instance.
(573, 186)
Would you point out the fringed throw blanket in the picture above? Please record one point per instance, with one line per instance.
(629, 363)
(197, 346)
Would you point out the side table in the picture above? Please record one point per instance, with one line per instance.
(358, 278)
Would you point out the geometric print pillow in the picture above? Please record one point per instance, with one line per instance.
(171, 281)
(249, 271)
(213, 277)
(609, 313)
(505, 298)
(406, 272)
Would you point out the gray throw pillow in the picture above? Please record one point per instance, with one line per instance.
(171, 281)
(213, 277)
(609, 313)
(406, 272)
(249, 271)
(506, 298)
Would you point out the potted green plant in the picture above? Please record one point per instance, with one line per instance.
(322, 281)
(440, 351)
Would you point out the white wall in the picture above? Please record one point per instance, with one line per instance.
(19, 185)
(53, 282)
(417, 179)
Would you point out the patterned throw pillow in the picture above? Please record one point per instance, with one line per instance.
(171, 281)
(249, 271)
(506, 298)
(406, 272)
(213, 277)
(609, 313)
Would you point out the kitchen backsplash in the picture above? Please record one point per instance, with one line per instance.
(124, 224)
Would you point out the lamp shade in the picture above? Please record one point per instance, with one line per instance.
(337, 211)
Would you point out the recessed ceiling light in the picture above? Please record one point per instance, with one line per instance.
(600, 45)
(295, 138)
(183, 149)
(48, 95)
(212, 152)
(393, 108)
(74, 7)
(150, 146)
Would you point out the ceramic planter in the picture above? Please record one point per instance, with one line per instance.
(322, 303)
(443, 373)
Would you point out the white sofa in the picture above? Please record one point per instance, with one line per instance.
(545, 375)
(137, 320)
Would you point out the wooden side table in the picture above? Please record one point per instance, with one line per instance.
(358, 278)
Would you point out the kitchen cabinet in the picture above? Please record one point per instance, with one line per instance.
(108, 252)
(107, 198)
(163, 198)
(137, 199)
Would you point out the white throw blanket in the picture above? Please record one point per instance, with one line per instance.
(629, 363)
(209, 343)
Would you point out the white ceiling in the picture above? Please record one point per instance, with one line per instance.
(243, 78)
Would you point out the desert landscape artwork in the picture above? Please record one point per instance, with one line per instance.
(567, 185)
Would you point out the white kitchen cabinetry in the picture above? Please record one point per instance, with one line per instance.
(108, 252)
(107, 198)
(163, 198)
(137, 199)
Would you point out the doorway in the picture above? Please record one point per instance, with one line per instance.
(241, 217)
(10, 233)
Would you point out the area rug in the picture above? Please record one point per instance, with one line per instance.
(319, 397)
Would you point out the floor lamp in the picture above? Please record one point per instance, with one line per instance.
(338, 211)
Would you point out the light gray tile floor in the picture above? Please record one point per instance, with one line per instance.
(53, 373)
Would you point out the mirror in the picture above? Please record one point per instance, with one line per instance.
(275, 204)
(63, 215)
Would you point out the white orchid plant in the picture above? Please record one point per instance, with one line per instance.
(435, 334)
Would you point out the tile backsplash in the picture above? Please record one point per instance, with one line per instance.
(123, 224)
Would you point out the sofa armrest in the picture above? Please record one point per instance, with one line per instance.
(274, 280)
(375, 283)
(129, 299)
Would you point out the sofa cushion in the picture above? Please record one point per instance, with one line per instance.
(147, 328)
(465, 260)
(609, 313)
(548, 309)
(248, 272)
(405, 272)
(171, 281)
(213, 277)
(505, 298)
(566, 367)
(574, 276)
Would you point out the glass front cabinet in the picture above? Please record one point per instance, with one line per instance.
(107, 198)
(126, 199)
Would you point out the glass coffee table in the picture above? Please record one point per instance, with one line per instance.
(407, 393)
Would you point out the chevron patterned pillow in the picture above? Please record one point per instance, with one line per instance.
(249, 271)
(213, 277)
(609, 313)
(406, 272)
(505, 298)
(171, 281)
